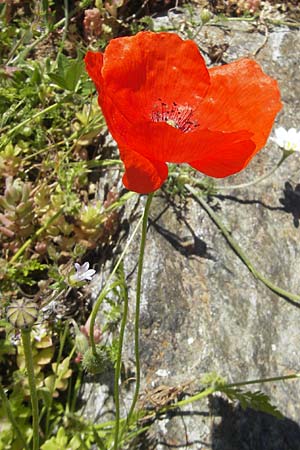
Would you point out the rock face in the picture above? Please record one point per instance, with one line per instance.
(202, 310)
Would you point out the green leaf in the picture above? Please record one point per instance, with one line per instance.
(256, 400)
(68, 73)
(73, 74)
(59, 80)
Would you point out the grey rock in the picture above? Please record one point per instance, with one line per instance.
(202, 310)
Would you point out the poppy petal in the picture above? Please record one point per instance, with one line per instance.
(142, 175)
(93, 63)
(162, 142)
(241, 97)
(229, 160)
(138, 71)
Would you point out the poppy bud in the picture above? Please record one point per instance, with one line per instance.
(205, 16)
(96, 363)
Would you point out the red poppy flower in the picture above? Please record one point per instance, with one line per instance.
(162, 105)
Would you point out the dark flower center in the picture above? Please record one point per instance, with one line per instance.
(177, 116)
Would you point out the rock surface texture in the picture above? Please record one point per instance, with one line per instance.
(202, 310)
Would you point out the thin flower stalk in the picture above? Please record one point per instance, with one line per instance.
(106, 288)
(281, 292)
(118, 367)
(26, 333)
(35, 116)
(137, 309)
(213, 389)
(62, 341)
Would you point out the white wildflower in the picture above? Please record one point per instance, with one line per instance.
(82, 272)
(287, 139)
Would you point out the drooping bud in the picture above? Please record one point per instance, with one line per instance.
(205, 15)
(96, 363)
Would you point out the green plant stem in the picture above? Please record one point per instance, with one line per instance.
(105, 289)
(62, 341)
(137, 308)
(35, 236)
(25, 122)
(285, 155)
(32, 386)
(282, 292)
(10, 416)
(118, 367)
(29, 48)
(212, 389)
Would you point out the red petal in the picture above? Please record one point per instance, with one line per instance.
(227, 161)
(162, 142)
(241, 97)
(227, 153)
(142, 175)
(93, 63)
(141, 69)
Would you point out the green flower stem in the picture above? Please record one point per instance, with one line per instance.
(32, 386)
(120, 202)
(62, 342)
(38, 114)
(285, 155)
(34, 236)
(137, 307)
(118, 368)
(264, 380)
(104, 163)
(216, 388)
(10, 416)
(106, 289)
(282, 292)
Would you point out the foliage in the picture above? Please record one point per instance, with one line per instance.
(256, 400)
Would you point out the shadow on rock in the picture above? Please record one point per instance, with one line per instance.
(291, 203)
(187, 246)
(237, 429)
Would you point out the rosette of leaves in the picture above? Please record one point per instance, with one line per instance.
(90, 224)
(10, 160)
(58, 239)
(17, 214)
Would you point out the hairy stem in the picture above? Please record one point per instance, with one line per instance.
(118, 367)
(212, 389)
(106, 289)
(137, 308)
(32, 386)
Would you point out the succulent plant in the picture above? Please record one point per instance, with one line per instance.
(10, 161)
(16, 218)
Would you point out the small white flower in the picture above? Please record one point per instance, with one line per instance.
(83, 272)
(287, 139)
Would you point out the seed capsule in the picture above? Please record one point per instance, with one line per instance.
(22, 314)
